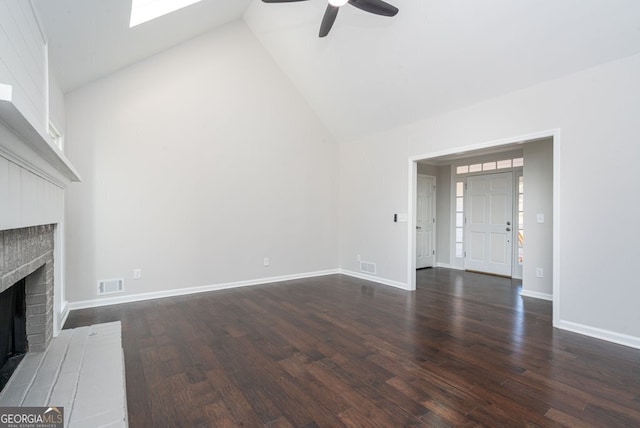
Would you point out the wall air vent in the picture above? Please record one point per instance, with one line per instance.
(368, 267)
(110, 286)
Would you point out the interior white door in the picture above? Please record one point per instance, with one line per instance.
(425, 222)
(489, 223)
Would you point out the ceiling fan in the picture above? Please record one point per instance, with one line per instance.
(377, 7)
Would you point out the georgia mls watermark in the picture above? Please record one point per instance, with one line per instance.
(31, 417)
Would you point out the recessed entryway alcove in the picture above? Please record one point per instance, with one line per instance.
(529, 166)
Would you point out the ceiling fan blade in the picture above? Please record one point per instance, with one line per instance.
(375, 6)
(280, 1)
(328, 19)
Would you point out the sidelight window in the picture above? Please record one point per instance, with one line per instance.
(520, 220)
(459, 218)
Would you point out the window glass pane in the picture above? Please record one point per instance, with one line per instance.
(459, 250)
(520, 256)
(459, 188)
(475, 167)
(518, 162)
(521, 184)
(462, 169)
(459, 204)
(459, 220)
(504, 164)
(521, 218)
(520, 202)
(488, 166)
(459, 232)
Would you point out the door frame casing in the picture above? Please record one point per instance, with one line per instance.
(555, 134)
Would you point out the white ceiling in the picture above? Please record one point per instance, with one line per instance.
(89, 39)
(371, 73)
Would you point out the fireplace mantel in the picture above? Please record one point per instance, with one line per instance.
(24, 145)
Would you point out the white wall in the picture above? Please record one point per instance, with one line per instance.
(372, 188)
(23, 63)
(57, 108)
(197, 164)
(596, 111)
(538, 199)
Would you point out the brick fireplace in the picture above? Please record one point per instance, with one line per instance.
(28, 253)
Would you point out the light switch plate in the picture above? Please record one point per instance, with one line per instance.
(540, 218)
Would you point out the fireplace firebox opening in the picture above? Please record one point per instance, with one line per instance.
(13, 330)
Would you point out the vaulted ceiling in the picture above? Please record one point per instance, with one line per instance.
(371, 73)
(89, 39)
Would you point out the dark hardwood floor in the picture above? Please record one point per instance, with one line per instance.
(464, 350)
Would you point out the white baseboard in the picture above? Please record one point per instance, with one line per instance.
(191, 290)
(374, 278)
(444, 265)
(64, 314)
(536, 295)
(598, 333)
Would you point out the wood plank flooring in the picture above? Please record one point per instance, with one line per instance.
(463, 350)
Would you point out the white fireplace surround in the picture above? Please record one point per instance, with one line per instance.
(33, 176)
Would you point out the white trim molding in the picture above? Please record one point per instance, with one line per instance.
(373, 278)
(108, 301)
(446, 266)
(64, 314)
(30, 148)
(598, 333)
(536, 295)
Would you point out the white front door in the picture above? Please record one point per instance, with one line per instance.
(489, 223)
(425, 222)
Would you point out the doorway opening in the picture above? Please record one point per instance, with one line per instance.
(425, 221)
(495, 208)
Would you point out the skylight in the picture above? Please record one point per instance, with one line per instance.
(146, 10)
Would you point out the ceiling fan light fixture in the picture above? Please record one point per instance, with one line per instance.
(377, 7)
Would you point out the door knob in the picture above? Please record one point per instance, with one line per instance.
(508, 223)
(508, 229)
(418, 227)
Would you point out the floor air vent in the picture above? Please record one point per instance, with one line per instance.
(110, 286)
(368, 267)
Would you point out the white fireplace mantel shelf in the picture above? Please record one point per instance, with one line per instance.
(31, 149)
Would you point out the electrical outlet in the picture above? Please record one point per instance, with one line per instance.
(137, 273)
(266, 261)
(539, 272)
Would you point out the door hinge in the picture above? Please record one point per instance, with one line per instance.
(465, 254)
(434, 252)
